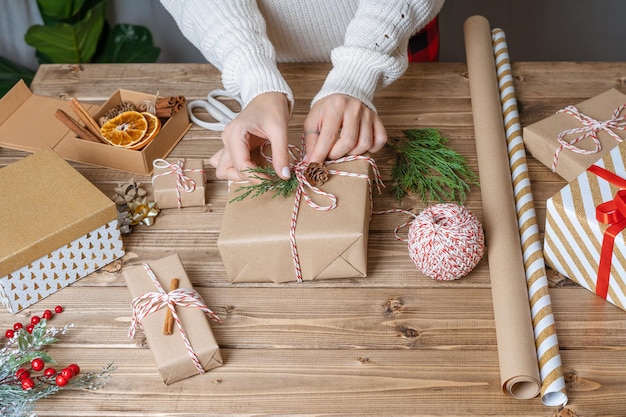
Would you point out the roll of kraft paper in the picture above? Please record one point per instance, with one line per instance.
(553, 392)
(519, 371)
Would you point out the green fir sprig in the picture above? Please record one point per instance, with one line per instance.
(425, 165)
(22, 349)
(268, 181)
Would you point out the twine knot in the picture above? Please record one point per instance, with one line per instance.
(151, 302)
(589, 129)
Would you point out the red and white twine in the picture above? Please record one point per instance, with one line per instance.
(589, 129)
(183, 182)
(298, 167)
(445, 241)
(151, 302)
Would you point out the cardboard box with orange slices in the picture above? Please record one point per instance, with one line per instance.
(28, 123)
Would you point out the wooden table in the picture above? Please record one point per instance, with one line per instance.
(393, 343)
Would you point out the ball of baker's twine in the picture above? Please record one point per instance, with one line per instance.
(446, 241)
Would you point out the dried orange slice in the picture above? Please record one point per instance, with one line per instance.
(125, 129)
(154, 126)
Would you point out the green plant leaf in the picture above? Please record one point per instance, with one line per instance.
(129, 43)
(11, 73)
(54, 11)
(66, 43)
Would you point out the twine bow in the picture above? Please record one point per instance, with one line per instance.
(298, 168)
(151, 302)
(183, 182)
(589, 129)
(612, 213)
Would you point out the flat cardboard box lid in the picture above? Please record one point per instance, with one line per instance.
(27, 121)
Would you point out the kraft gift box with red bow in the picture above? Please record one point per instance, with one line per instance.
(576, 136)
(586, 225)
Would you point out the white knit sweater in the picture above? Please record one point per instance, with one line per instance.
(366, 40)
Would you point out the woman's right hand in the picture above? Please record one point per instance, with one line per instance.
(265, 118)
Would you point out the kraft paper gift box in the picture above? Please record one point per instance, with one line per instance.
(254, 241)
(179, 183)
(540, 138)
(580, 220)
(56, 227)
(28, 123)
(170, 353)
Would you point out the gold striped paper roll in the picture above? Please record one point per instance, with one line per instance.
(553, 391)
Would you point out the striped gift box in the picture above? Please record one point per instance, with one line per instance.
(580, 246)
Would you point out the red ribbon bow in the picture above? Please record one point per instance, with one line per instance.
(612, 213)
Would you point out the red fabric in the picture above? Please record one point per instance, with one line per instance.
(424, 46)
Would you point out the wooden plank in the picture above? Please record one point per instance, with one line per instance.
(329, 383)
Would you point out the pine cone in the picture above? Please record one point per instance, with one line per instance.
(127, 192)
(316, 173)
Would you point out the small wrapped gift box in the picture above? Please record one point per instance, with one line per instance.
(577, 136)
(272, 238)
(179, 183)
(191, 348)
(56, 227)
(585, 224)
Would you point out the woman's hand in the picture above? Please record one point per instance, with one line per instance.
(340, 125)
(264, 118)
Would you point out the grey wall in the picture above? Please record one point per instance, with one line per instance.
(536, 30)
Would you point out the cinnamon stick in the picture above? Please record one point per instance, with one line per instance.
(168, 326)
(83, 114)
(165, 112)
(75, 127)
(165, 102)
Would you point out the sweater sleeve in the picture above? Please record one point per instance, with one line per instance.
(374, 53)
(231, 34)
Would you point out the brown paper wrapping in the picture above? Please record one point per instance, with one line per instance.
(164, 186)
(254, 238)
(170, 354)
(519, 370)
(540, 137)
(45, 203)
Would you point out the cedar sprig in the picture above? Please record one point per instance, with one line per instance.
(270, 181)
(425, 165)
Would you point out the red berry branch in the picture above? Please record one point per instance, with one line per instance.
(25, 374)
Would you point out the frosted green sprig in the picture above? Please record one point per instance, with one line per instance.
(18, 352)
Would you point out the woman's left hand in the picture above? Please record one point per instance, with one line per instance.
(340, 125)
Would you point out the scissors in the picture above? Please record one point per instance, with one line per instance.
(218, 110)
